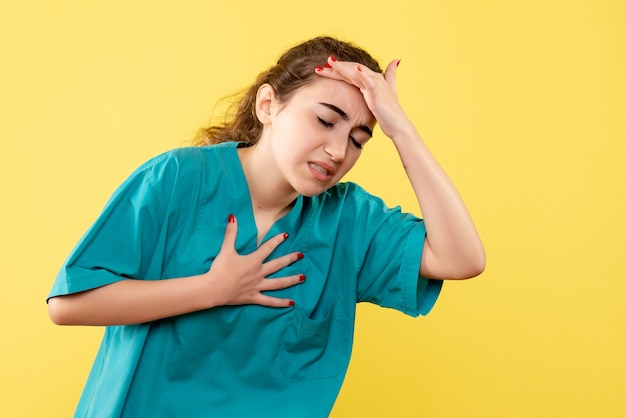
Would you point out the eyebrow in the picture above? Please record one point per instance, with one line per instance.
(344, 116)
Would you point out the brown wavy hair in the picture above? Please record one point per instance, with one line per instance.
(294, 70)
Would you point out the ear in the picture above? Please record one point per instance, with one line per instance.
(265, 98)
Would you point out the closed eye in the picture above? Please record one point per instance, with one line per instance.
(356, 143)
(324, 123)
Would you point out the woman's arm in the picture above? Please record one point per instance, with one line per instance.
(453, 249)
(131, 302)
(232, 280)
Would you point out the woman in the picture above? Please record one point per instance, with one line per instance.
(227, 275)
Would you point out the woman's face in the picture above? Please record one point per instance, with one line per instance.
(317, 136)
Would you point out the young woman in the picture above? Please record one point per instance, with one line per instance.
(227, 275)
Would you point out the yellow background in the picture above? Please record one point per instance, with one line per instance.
(523, 103)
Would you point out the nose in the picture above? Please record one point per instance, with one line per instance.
(336, 148)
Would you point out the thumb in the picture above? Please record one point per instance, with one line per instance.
(230, 236)
(390, 75)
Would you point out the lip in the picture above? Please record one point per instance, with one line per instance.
(319, 175)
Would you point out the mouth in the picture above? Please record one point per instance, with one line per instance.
(321, 171)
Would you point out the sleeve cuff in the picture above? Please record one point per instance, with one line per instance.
(81, 282)
(421, 293)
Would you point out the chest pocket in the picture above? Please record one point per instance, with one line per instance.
(316, 349)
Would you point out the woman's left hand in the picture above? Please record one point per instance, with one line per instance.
(379, 92)
(452, 248)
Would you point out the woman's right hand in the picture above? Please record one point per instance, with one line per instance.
(232, 280)
(240, 279)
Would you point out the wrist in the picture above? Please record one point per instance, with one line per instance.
(406, 134)
(204, 293)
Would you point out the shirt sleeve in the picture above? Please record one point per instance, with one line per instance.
(392, 245)
(121, 241)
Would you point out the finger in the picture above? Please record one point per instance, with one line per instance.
(278, 263)
(230, 236)
(270, 245)
(338, 70)
(265, 300)
(390, 75)
(356, 74)
(331, 72)
(282, 282)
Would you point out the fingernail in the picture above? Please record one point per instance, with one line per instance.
(292, 303)
(333, 59)
(231, 218)
(302, 278)
(358, 68)
(285, 235)
(327, 65)
(300, 256)
(397, 63)
(318, 68)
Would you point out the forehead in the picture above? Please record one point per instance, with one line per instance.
(338, 93)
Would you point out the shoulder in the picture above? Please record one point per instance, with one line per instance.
(184, 164)
(350, 196)
(187, 158)
(180, 172)
(342, 191)
(349, 201)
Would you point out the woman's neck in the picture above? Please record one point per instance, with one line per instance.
(270, 194)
